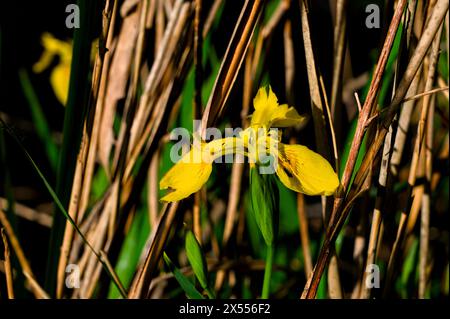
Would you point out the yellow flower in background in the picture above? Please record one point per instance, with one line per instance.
(60, 75)
(298, 168)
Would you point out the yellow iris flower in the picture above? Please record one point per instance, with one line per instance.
(298, 168)
(60, 75)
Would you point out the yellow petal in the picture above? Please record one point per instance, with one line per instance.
(52, 47)
(286, 116)
(305, 171)
(268, 113)
(44, 61)
(56, 46)
(59, 80)
(186, 177)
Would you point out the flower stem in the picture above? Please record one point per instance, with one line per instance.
(267, 272)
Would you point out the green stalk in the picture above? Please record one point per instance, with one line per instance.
(74, 117)
(267, 272)
(39, 120)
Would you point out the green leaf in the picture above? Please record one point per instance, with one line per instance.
(131, 251)
(187, 286)
(196, 259)
(264, 200)
(409, 266)
(39, 120)
(255, 240)
(289, 223)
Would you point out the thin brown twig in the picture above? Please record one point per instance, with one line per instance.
(418, 96)
(8, 269)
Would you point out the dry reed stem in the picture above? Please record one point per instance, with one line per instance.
(198, 44)
(35, 287)
(152, 195)
(231, 62)
(197, 105)
(320, 128)
(387, 154)
(8, 269)
(141, 287)
(340, 45)
(403, 127)
(311, 288)
(429, 33)
(317, 104)
(116, 84)
(304, 234)
(419, 144)
(23, 261)
(289, 61)
(32, 215)
(83, 172)
(165, 48)
(426, 205)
